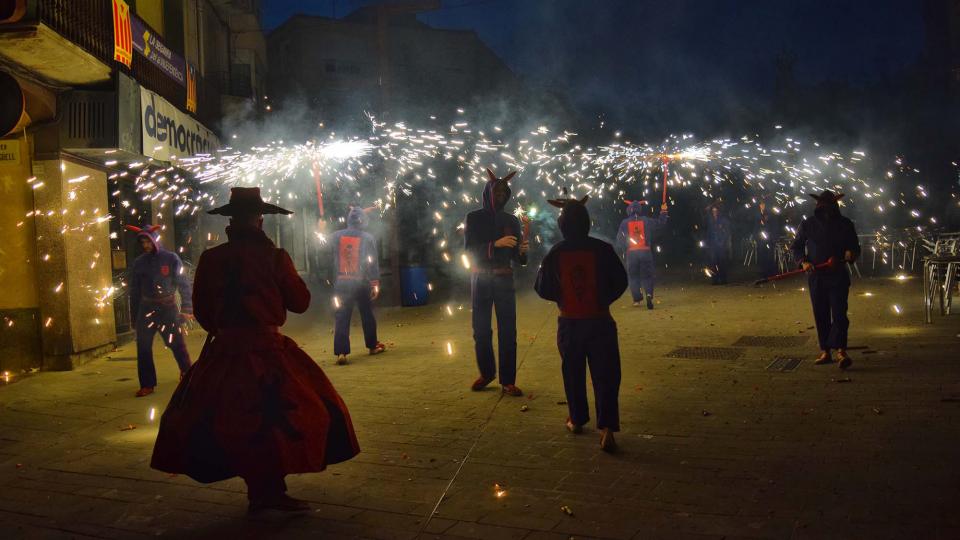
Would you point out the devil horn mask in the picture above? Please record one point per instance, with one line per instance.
(493, 177)
(563, 203)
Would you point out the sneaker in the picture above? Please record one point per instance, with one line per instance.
(282, 503)
(480, 383)
(145, 391)
(636, 304)
(649, 302)
(378, 348)
(512, 390)
(607, 442)
(824, 358)
(844, 360)
(573, 428)
(342, 360)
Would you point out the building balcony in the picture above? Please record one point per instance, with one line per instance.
(62, 41)
(70, 43)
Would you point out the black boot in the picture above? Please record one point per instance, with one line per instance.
(649, 301)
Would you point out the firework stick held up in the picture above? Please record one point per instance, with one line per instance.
(822, 266)
(315, 170)
(666, 169)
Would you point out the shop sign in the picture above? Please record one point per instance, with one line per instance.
(9, 152)
(169, 133)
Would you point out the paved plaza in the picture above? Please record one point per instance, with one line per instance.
(724, 434)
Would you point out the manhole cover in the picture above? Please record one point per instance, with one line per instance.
(773, 342)
(706, 353)
(784, 364)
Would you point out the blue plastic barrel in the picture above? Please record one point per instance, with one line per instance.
(413, 286)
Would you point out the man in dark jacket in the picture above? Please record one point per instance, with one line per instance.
(154, 279)
(824, 237)
(718, 244)
(494, 241)
(356, 261)
(583, 275)
(766, 231)
(634, 240)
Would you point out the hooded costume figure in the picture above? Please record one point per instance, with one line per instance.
(824, 236)
(254, 404)
(633, 241)
(766, 230)
(584, 275)
(154, 279)
(718, 243)
(356, 261)
(493, 242)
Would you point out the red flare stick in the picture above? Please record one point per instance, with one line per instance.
(666, 162)
(822, 266)
(316, 180)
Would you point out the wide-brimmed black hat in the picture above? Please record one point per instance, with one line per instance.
(247, 200)
(827, 197)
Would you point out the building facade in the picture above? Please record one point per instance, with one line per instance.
(93, 93)
(389, 64)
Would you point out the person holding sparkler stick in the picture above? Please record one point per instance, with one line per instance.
(254, 404)
(718, 244)
(765, 233)
(155, 278)
(356, 261)
(826, 236)
(584, 275)
(493, 241)
(633, 241)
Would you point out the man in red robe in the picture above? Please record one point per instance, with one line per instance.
(254, 404)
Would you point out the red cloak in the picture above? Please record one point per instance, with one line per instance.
(254, 404)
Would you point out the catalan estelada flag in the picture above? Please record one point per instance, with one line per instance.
(122, 35)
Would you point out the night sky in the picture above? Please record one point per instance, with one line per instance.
(663, 60)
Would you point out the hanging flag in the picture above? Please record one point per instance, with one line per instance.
(122, 35)
(191, 87)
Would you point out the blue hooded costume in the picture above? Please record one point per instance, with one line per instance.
(357, 264)
(154, 279)
(765, 232)
(584, 275)
(491, 283)
(718, 246)
(825, 235)
(634, 242)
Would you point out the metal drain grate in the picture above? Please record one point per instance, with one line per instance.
(784, 364)
(706, 353)
(773, 342)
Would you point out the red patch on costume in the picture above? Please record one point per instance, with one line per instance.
(638, 237)
(349, 255)
(164, 270)
(578, 282)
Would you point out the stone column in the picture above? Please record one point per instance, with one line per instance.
(73, 245)
(19, 304)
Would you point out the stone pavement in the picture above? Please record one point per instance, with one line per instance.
(711, 448)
